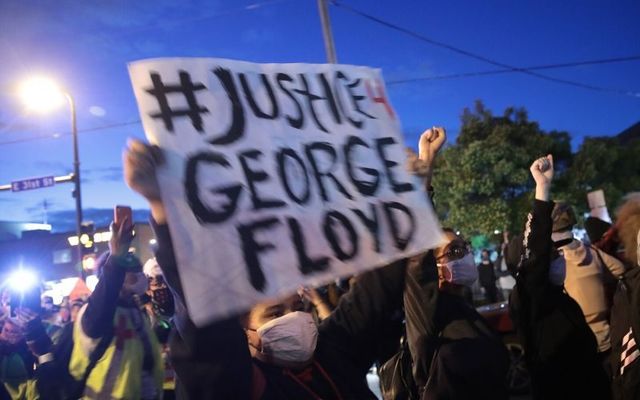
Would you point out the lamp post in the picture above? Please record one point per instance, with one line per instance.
(41, 94)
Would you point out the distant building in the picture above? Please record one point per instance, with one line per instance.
(53, 255)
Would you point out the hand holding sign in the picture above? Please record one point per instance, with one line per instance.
(140, 161)
(275, 176)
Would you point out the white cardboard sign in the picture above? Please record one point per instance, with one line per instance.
(277, 176)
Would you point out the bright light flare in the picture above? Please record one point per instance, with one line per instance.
(22, 280)
(41, 94)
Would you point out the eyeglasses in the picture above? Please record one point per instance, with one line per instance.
(455, 251)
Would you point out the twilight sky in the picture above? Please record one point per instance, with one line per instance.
(86, 47)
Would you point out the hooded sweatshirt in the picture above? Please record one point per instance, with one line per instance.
(585, 284)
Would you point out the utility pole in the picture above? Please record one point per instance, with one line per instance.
(326, 32)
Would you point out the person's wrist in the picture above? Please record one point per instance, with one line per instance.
(157, 211)
(542, 192)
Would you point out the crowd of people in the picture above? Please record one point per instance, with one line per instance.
(575, 306)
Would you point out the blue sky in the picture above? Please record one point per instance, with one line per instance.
(86, 46)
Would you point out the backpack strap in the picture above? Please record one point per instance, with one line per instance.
(94, 357)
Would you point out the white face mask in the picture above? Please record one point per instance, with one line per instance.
(558, 271)
(462, 272)
(139, 287)
(291, 338)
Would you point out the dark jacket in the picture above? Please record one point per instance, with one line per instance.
(625, 325)
(214, 362)
(560, 349)
(470, 359)
(487, 274)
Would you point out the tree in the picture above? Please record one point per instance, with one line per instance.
(603, 163)
(482, 181)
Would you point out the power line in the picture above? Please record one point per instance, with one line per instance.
(505, 70)
(479, 57)
(389, 83)
(59, 135)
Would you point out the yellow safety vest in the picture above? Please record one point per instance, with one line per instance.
(119, 370)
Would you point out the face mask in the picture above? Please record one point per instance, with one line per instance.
(558, 271)
(291, 338)
(139, 287)
(162, 300)
(462, 272)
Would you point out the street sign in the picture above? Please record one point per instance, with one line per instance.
(33, 183)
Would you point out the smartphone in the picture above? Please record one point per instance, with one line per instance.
(122, 212)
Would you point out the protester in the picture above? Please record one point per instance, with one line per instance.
(276, 350)
(53, 380)
(487, 275)
(560, 349)
(114, 349)
(160, 309)
(16, 362)
(591, 276)
(454, 353)
(23, 343)
(625, 314)
(50, 318)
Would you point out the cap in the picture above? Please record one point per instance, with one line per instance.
(151, 268)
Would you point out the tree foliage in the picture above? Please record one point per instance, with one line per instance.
(482, 181)
(603, 163)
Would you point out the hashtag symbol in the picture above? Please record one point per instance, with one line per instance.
(194, 111)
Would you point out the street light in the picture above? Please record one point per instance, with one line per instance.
(42, 95)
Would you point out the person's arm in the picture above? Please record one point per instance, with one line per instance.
(212, 361)
(357, 324)
(534, 271)
(536, 296)
(356, 328)
(39, 342)
(615, 266)
(97, 319)
(430, 143)
(317, 302)
(420, 301)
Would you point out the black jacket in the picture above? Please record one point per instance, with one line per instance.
(487, 274)
(560, 349)
(625, 325)
(470, 359)
(214, 362)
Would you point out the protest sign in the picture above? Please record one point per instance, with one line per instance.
(277, 175)
(598, 205)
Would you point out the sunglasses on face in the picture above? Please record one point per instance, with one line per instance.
(455, 251)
